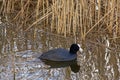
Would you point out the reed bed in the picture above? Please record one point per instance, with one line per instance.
(65, 17)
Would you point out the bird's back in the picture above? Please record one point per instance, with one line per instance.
(59, 54)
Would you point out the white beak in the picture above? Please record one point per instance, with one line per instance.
(80, 49)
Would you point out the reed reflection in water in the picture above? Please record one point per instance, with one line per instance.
(99, 61)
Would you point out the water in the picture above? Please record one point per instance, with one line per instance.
(99, 60)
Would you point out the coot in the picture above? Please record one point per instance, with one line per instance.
(61, 54)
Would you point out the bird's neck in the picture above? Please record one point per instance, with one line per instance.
(72, 52)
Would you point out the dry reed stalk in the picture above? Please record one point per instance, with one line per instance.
(24, 8)
(68, 17)
(47, 20)
(83, 22)
(64, 17)
(74, 19)
(22, 15)
(99, 20)
(52, 22)
(117, 29)
(37, 13)
(110, 27)
(99, 10)
(38, 20)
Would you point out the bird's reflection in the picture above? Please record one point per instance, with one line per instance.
(60, 64)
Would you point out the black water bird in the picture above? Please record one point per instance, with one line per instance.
(61, 54)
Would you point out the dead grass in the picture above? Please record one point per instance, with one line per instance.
(66, 17)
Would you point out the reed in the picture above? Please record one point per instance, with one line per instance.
(65, 17)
